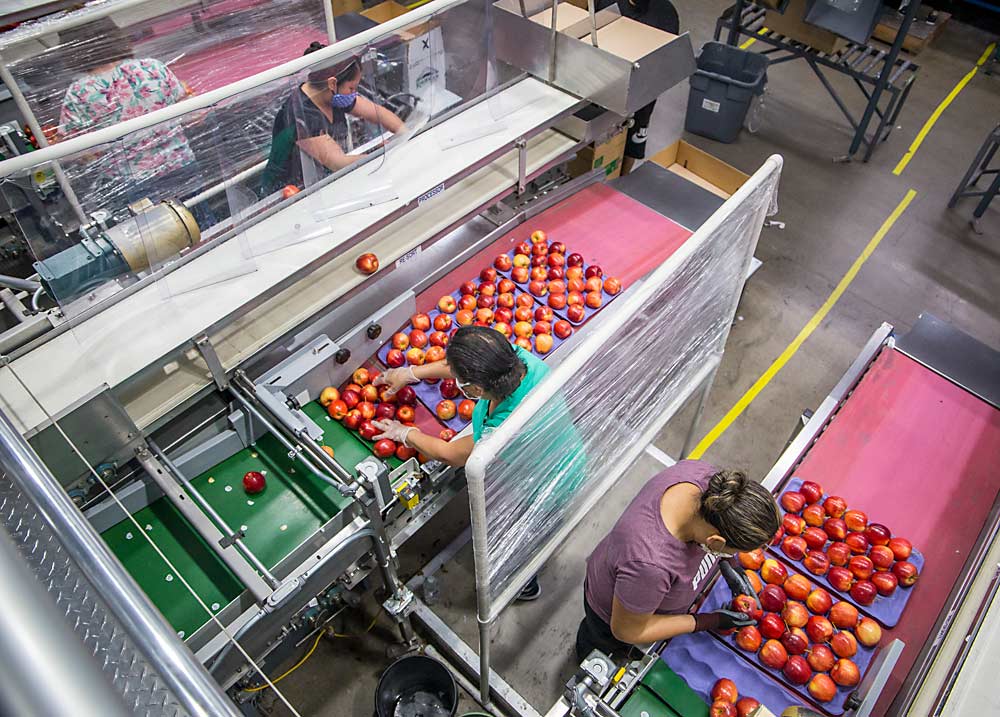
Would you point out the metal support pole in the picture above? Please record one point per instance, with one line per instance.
(883, 79)
(734, 30)
(702, 402)
(522, 166)
(159, 644)
(36, 129)
(331, 28)
(593, 22)
(552, 40)
(484, 662)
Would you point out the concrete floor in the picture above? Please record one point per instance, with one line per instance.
(930, 261)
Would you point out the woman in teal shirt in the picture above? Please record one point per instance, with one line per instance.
(488, 369)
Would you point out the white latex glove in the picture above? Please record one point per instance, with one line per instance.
(396, 378)
(393, 430)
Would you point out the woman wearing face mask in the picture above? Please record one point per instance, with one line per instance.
(310, 129)
(487, 369)
(644, 575)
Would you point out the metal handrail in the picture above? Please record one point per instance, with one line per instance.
(175, 664)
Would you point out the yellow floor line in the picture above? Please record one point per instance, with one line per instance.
(929, 124)
(752, 40)
(804, 334)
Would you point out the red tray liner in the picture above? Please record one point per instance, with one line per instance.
(921, 454)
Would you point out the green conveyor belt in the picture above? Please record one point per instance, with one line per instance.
(644, 703)
(672, 690)
(292, 507)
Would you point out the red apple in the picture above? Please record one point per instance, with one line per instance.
(505, 286)
(502, 263)
(878, 534)
(816, 562)
(434, 354)
(822, 688)
(406, 396)
(538, 288)
(794, 546)
(418, 339)
(748, 638)
(821, 658)
(557, 247)
(774, 572)
(367, 263)
(384, 448)
(613, 285)
(542, 327)
(448, 388)
(592, 271)
(746, 706)
(520, 274)
(484, 316)
(778, 537)
(773, 654)
(505, 301)
(406, 414)
(885, 582)
(839, 553)
(351, 397)
(594, 283)
(556, 260)
(724, 690)
(793, 501)
(861, 567)
(900, 547)
(815, 537)
(524, 343)
(576, 286)
(421, 322)
(368, 430)
(538, 261)
(562, 329)
(748, 606)
(882, 557)
(353, 419)
(795, 614)
(556, 272)
(523, 329)
(525, 300)
(438, 338)
(405, 453)
(814, 515)
(543, 313)
(844, 644)
(797, 670)
(504, 328)
(576, 314)
(819, 629)
(557, 301)
(835, 506)
(771, 626)
(843, 615)
(796, 641)
(857, 542)
(793, 524)
(856, 520)
(773, 598)
(504, 314)
(367, 409)
(445, 410)
(465, 409)
(447, 434)
(722, 709)
(840, 578)
(836, 528)
(755, 581)
(539, 248)
(557, 286)
(797, 587)
(486, 301)
(819, 601)
(868, 632)
(337, 409)
(543, 343)
(812, 491)
(253, 482)
(593, 299)
(488, 275)
(863, 592)
(845, 673)
(574, 260)
(395, 358)
(467, 288)
(905, 572)
(523, 248)
(523, 313)
(751, 560)
(442, 322)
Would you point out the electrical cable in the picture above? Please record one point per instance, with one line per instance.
(312, 649)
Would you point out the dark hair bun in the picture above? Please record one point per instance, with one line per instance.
(724, 490)
(313, 47)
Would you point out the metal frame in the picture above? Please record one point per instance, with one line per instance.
(884, 71)
(590, 341)
(980, 168)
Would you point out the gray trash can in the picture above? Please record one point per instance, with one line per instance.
(722, 87)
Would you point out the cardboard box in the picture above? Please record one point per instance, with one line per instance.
(607, 155)
(342, 7)
(389, 10)
(921, 33)
(793, 26)
(701, 168)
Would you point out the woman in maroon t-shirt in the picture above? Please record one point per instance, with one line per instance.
(644, 575)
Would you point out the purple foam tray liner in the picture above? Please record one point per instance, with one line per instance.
(561, 313)
(887, 610)
(701, 661)
(721, 594)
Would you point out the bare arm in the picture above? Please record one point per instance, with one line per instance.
(455, 452)
(437, 369)
(371, 112)
(325, 150)
(637, 628)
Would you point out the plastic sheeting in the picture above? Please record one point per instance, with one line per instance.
(639, 360)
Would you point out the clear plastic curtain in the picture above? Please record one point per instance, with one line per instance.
(583, 426)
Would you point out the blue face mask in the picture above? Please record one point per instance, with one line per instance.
(343, 102)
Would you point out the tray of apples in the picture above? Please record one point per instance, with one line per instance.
(359, 402)
(713, 671)
(843, 551)
(815, 645)
(565, 282)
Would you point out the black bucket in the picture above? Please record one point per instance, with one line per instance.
(416, 686)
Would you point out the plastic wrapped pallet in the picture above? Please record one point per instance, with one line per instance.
(548, 464)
